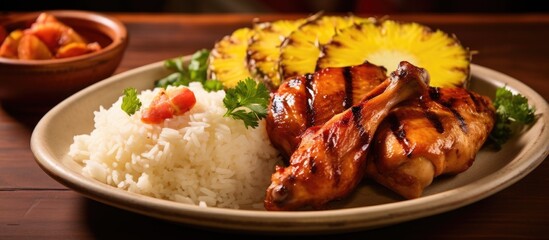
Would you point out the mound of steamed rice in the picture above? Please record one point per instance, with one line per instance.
(199, 158)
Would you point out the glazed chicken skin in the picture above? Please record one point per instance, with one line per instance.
(312, 99)
(424, 138)
(330, 160)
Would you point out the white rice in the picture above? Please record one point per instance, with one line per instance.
(199, 158)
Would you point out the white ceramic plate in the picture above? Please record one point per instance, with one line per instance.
(370, 206)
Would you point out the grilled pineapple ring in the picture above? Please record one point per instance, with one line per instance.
(227, 60)
(301, 49)
(264, 49)
(389, 42)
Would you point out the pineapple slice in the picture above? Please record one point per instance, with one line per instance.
(301, 49)
(264, 49)
(227, 60)
(390, 42)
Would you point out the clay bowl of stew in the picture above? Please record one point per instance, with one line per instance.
(42, 83)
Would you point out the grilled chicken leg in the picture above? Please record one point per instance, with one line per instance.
(330, 159)
(305, 101)
(424, 138)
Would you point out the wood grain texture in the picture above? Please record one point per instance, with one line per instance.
(32, 205)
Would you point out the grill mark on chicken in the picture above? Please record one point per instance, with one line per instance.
(475, 101)
(398, 130)
(347, 75)
(449, 104)
(462, 123)
(364, 138)
(310, 95)
(431, 116)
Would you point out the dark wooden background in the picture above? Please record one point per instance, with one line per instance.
(33, 205)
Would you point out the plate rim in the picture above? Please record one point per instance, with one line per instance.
(336, 220)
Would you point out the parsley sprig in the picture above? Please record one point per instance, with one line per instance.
(247, 101)
(512, 113)
(194, 71)
(130, 102)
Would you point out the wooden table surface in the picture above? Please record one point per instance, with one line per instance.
(33, 205)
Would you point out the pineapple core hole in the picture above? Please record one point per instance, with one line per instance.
(391, 58)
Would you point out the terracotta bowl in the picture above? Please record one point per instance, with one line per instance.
(38, 83)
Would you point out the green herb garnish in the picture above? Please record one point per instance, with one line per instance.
(194, 71)
(247, 101)
(512, 113)
(130, 102)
